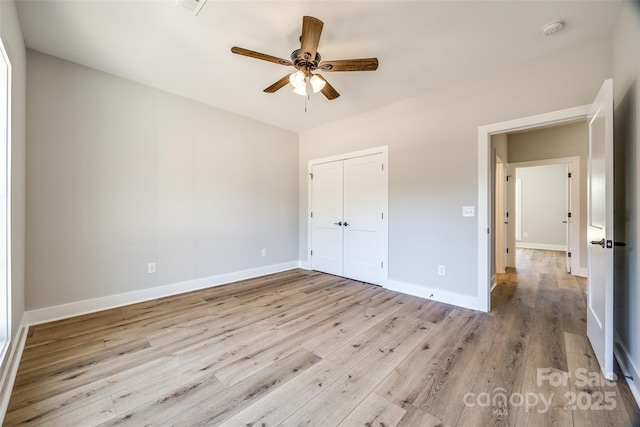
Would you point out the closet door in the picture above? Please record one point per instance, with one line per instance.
(326, 221)
(365, 196)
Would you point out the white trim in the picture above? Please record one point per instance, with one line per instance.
(384, 150)
(77, 308)
(304, 265)
(543, 246)
(11, 368)
(518, 200)
(627, 366)
(581, 271)
(6, 297)
(484, 180)
(453, 298)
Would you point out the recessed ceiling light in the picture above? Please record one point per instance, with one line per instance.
(552, 27)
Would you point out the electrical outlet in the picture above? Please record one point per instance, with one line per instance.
(441, 270)
(264, 252)
(151, 268)
(468, 211)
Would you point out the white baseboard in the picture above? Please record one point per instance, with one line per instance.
(304, 265)
(629, 369)
(8, 376)
(545, 246)
(582, 272)
(48, 314)
(453, 298)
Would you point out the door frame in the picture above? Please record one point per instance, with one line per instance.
(485, 172)
(384, 151)
(575, 202)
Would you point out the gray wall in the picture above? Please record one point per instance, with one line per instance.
(543, 205)
(14, 44)
(626, 85)
(433, 156)
(557, 142)
(120, 175)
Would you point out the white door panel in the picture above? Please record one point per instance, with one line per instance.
(364, 204)
(600, 229)
(326, 222)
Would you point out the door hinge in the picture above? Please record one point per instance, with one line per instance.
(311, 214)
(383, 166)
(382, 215)
(508, 176)
(507, 214)
(311, 253)
(381, 264)
(569, 175)
(507, 250)
(311, 175)
(569, 215)
(569, 254)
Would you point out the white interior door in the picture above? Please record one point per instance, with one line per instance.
(500, 217)
(326, 220)
(365, 188)
(567, 220)
(600, 229)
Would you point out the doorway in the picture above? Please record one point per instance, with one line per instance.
(485, 178)
(548, 209)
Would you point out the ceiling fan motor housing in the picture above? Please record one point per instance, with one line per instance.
(300, 61)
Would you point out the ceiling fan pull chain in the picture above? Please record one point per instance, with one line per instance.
(306, 83)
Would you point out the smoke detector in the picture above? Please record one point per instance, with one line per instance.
(552, 28)
(192, 6)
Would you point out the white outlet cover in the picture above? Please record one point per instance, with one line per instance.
(468, 211)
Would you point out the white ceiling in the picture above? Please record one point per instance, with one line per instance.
(421, 45)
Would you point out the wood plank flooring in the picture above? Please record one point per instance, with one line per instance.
(306, 348)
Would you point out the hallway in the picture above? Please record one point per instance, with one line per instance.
(549, 305)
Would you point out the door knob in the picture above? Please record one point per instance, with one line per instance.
(338, 223)
(609, 244)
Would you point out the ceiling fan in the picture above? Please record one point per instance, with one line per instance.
(307, 60)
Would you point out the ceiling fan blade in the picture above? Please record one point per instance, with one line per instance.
(364, 64)
(311, 31)
(278, 85)
(328, 90)
(258, 55)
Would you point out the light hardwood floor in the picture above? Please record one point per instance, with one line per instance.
(305, 348)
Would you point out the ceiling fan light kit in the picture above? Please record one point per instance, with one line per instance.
(300, 83)
(307, 60)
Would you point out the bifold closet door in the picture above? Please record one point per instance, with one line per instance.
(348, 201)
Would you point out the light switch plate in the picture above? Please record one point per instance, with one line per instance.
(468, 211)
